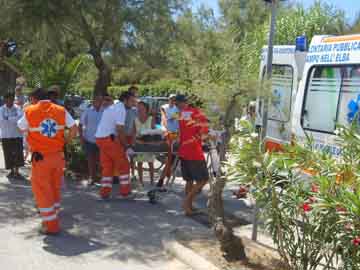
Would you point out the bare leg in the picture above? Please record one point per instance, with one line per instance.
(140, 172)
(188, 202)
(151, 168)
(188, 187)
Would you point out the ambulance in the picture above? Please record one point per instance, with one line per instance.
(287, 69)
(329, 93)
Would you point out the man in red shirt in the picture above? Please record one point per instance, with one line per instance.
(193, 129)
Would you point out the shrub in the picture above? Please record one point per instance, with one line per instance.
(312, 220)
(75, 158)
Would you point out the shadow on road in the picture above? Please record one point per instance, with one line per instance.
(70, 245)
(124, 230)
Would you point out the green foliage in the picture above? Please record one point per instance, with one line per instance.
(55, 71)
(161, 88)
(320, 19)
(76, 161)
(313, 217)
(206, 54)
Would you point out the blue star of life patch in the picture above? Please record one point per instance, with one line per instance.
(48, 128)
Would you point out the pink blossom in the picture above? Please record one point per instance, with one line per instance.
(306, 207)
(356, 241)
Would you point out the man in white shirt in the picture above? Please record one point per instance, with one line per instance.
(89, 122)
(111, 140)
(11, 138)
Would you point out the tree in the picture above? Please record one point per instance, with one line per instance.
(96, 27)
(355, 27)
(319, 19)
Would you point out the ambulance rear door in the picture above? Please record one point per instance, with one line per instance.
(329, 95)
(286, 71)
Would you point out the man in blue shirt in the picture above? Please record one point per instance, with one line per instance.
(89, 122)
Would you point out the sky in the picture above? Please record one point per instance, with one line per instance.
(351, 7)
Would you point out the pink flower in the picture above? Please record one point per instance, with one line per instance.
(356, 241)
(315, 188)
(341, 209)
(306, 207)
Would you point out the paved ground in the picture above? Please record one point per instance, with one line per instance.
(97, 235)
(116, 234)
(240, 208)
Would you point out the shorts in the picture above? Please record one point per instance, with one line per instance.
(194, 170)
(91, 148)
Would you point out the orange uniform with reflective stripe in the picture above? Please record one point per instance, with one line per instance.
(46, 127)
(114, 162)
(46, 136)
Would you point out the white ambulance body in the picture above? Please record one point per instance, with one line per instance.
(329, 93)
(287, 70)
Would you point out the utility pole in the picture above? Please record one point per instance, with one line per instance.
(266, 97)
(269, 66)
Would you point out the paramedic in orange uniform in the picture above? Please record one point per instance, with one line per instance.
(111, 140)
(45, 123)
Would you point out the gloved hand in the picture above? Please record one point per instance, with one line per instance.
(130, 152)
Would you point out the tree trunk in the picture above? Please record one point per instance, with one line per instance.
(231, 246)
(104, 73)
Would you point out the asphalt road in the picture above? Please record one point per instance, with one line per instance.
(97, 235)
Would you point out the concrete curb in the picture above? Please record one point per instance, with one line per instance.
(186, 255)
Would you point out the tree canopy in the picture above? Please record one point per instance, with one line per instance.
(144, 42)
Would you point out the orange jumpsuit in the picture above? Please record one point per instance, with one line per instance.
(113, 157)
(114, 162)
(46, 123)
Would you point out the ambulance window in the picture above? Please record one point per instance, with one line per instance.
(321, 101)
(281, 87)
(350, 92)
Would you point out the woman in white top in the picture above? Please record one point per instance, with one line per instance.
(144, 122)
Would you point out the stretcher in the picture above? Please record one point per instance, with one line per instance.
(161, 151)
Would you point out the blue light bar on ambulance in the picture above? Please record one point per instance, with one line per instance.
(301, 43)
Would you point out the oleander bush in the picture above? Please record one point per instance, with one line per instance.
(309, 200)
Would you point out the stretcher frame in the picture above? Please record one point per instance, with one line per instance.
(210, 162)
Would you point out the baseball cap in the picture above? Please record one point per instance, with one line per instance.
(171, 96)
(180, 98)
